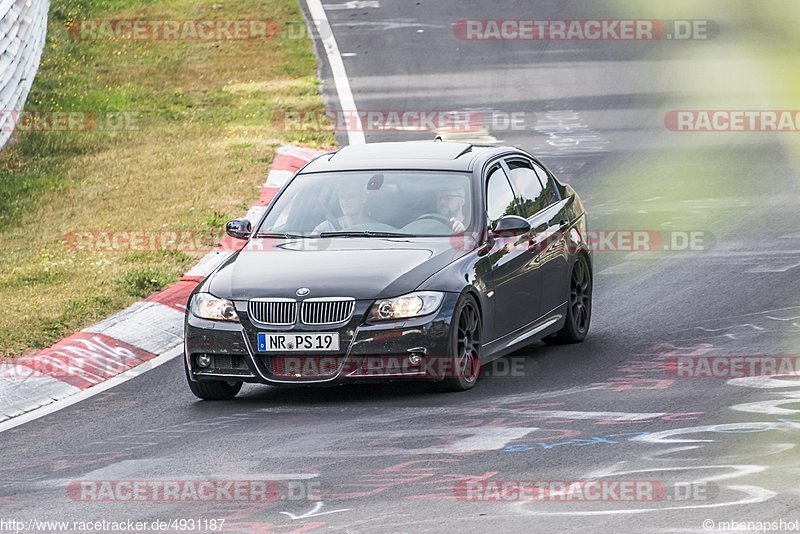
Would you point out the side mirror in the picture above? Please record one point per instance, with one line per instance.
(511, 226)
(239, 228)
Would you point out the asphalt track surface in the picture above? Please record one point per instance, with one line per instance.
(389, 458)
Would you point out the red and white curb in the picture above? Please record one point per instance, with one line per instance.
(129, 342)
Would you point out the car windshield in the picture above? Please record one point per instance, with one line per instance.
(372, 204)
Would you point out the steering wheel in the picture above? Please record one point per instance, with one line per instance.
(331, 218)
(438, 217)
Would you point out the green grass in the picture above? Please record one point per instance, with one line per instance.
(193, 152)
(142, 283)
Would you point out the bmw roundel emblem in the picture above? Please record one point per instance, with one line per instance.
(303, 291)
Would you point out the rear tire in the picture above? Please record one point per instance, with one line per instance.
(579, 306)
(213, 390)
(463, 361)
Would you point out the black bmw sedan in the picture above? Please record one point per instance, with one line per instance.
(389, 261)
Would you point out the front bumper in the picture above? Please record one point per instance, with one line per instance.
(368, 352)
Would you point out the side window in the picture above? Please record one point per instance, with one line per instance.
(529, 190)
(499, 196)
(550, 194)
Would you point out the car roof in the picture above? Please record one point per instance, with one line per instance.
(422, 155)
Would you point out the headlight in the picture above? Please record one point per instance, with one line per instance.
(207, 306)
(411, 305)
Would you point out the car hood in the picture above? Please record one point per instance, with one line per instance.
(363, 268)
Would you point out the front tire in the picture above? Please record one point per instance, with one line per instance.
(579, 306)
(213, 390)
(463, 361)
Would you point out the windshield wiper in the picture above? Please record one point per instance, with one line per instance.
(281, 234)
(364, 234)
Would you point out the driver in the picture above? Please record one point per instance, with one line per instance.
(352, 201)
(450, 203)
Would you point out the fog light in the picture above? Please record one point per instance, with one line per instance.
(204, 360)
(415, 359)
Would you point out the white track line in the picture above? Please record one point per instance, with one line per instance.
(92, 391)
(346, 100)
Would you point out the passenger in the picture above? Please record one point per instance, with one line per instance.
(450, 203)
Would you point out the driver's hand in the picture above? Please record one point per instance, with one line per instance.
(458, 226)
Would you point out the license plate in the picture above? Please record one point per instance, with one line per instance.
(327, 341)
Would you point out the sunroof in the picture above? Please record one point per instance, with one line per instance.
(405, 150)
